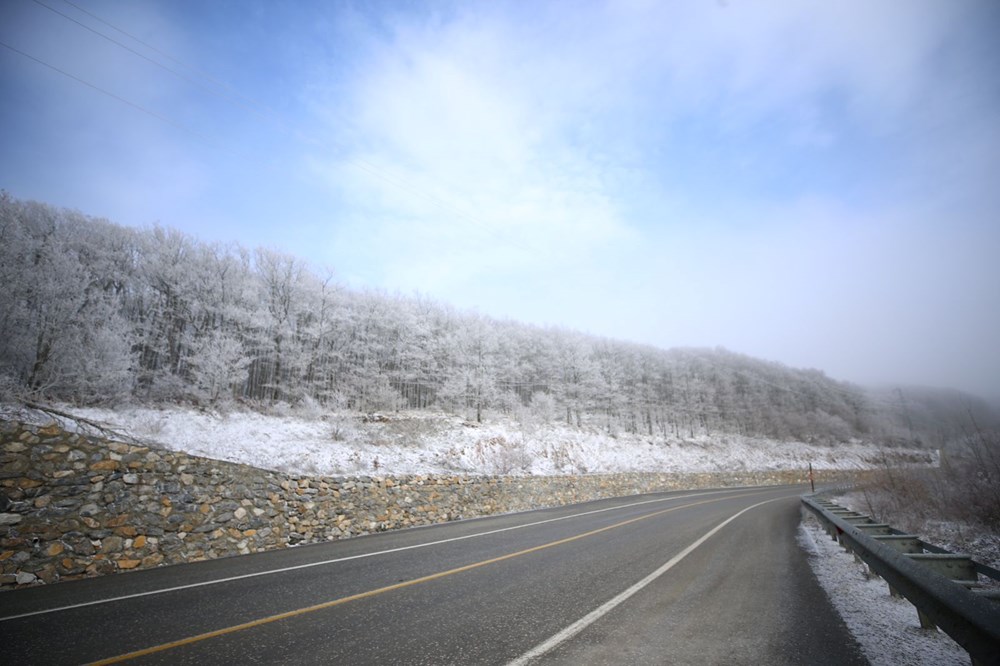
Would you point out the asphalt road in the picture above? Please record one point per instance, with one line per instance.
(700, 577)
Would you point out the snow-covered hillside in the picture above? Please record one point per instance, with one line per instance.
(435, 443)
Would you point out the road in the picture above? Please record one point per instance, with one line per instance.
(698, 577)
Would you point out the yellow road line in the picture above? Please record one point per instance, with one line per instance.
(388, 588)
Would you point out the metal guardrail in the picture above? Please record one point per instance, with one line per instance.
(971, 619)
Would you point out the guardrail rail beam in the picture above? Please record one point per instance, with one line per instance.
(971, 619)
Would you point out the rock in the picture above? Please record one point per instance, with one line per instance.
(140, 542)
(128, 564)
(88, 510)
(119, 520)
(48, 573)
(112, 544)
(104, 465)
(82, 546)
(151, 560)
(10, 518)
(55, 549)
(25, 578)
(131, 479)
(240, 513)
(101, 568)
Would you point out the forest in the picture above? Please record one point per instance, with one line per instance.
(97, 313)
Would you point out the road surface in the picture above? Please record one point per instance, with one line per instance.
(697, 577)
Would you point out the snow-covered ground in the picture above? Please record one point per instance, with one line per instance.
(419, 442)
(887, 628)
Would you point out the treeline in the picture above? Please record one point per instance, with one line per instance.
(94, 312)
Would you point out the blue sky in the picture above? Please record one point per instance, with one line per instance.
(808, 182)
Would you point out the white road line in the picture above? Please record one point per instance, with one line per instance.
(351, 557)
(608, 606)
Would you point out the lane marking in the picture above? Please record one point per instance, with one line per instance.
(389, 588)
(608, 606)
(269, 572)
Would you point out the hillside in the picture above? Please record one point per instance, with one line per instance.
(97, 314)
(312, 441)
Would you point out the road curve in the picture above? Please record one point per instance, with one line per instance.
(699, 577)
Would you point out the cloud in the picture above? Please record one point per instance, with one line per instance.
(757, 176)
(459, 165)
(810, 182)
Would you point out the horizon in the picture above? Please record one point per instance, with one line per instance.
(811, 186)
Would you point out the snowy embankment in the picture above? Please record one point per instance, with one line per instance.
(887, 628)
(439, 443)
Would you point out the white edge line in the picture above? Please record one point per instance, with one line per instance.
(608, 606)
(345, 559)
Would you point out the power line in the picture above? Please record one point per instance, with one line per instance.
(201, 73)
(214, 91)
(358, 163)
(121, 99)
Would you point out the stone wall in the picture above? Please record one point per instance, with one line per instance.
(74, 506)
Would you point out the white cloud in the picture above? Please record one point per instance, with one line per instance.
(556, 180)
(760, 175)
(477, 177)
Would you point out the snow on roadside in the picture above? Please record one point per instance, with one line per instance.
(887, 628)
(438, 443)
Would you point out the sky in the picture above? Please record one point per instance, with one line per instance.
(809, 182)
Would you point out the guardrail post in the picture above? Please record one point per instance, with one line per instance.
(875, 529)
(904, 543)
(955, 566)
(925, 622)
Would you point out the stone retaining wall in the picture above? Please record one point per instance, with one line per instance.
(74, 506)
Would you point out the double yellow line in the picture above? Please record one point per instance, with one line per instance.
(389, 588)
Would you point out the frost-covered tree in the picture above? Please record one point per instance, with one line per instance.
(93, 311)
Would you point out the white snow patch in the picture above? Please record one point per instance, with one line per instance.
(421, 442)
(887, 628)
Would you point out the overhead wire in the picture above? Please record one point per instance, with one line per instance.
(201, 73)
(184, 77)
(262, 109)
(123, 100)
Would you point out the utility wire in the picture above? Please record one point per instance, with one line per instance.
(214, 90)
(121, 99)
(201, 73)
(264, 110)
